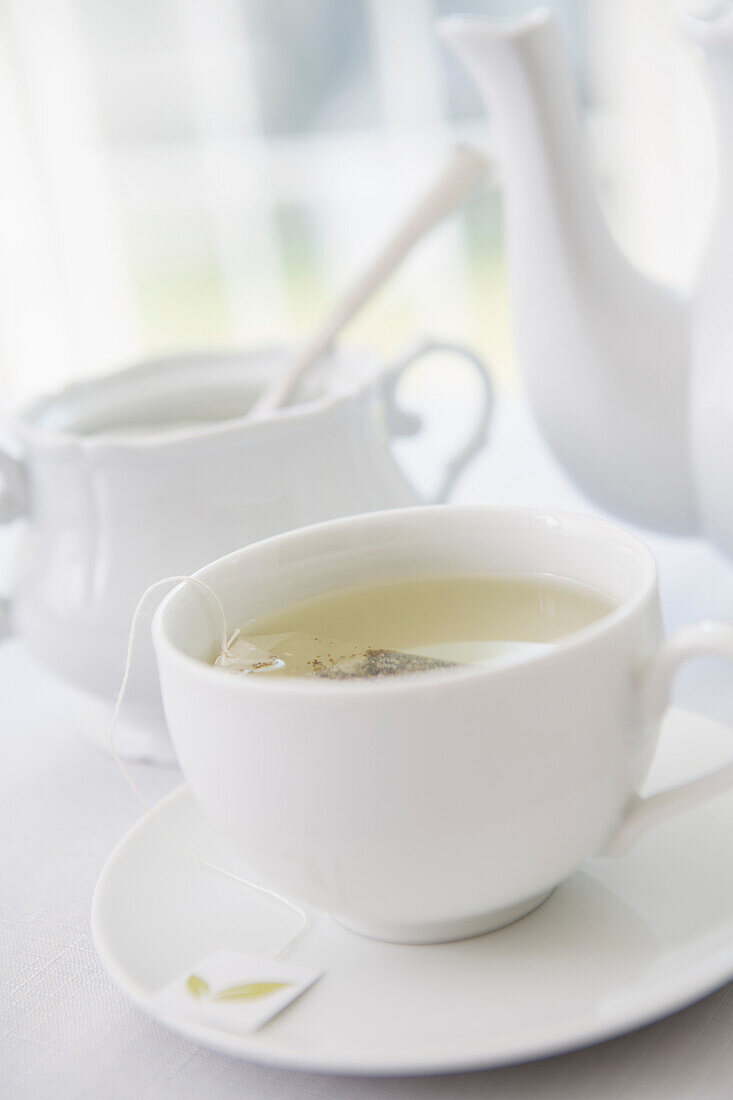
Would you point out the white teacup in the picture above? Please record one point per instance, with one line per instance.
(156, 469)
(440, 805)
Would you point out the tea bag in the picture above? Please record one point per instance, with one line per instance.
(297, 653)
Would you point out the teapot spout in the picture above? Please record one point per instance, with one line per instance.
(710, 26)
(604, 351)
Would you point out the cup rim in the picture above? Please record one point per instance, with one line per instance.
(26, 426)
(317, 687)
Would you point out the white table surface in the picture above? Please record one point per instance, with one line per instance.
(65, 1031)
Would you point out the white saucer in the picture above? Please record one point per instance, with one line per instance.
(619, 945)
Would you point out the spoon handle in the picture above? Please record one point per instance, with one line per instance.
(464, 170)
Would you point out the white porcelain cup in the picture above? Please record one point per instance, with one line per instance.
(113, 499)
(441, 805)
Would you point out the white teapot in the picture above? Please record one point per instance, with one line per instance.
(156, 470)
(630, 382)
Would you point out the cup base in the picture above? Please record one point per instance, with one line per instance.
(448, 931)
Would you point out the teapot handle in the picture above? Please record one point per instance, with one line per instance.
(12, 505)
(402, 423)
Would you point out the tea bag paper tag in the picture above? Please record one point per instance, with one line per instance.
(231, 991)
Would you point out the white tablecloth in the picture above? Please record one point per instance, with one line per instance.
(65, 1031)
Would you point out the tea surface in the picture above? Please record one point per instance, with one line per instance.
(414, 626)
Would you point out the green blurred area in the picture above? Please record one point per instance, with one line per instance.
(188, 302)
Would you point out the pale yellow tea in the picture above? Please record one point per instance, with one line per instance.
(414, 626)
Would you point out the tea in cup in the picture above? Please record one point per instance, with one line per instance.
(442, 801)
(413, 625)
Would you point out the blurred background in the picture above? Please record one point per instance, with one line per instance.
(180, 174)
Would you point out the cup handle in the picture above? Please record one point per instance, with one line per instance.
(403, 423)
(705, 639)
(13, 503)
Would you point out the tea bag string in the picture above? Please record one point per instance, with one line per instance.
(226, 641)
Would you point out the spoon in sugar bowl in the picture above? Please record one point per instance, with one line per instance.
(463, 172)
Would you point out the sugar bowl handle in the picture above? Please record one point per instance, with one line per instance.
(403, 423)
(705, 639)
(13, 503)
